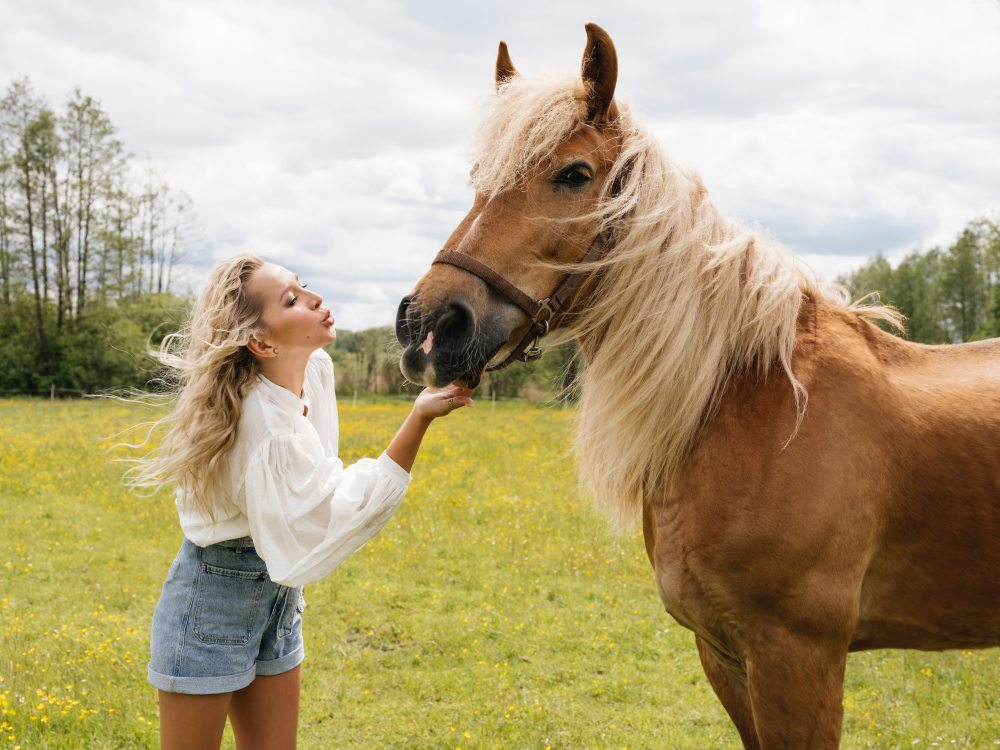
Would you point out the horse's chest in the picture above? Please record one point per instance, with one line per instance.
(679, 585)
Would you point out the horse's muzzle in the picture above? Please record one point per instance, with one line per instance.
(445, 345)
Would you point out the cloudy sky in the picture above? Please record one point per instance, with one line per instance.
(333, 136)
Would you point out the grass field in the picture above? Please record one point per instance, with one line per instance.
(494, 611)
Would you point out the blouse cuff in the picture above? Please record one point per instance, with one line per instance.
(394, 470)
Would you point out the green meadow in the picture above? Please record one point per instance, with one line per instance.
(496, 610)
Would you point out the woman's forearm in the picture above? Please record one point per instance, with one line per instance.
(430, 404)
(404, 446)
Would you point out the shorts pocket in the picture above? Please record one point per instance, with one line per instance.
(291, 612)
(226, 604)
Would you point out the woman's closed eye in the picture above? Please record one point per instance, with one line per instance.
(295, 297)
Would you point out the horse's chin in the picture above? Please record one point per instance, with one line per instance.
(470, 380)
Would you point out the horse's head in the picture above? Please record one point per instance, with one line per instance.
(545, 159)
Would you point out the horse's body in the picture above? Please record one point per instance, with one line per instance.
(783, 559)
(809, 485)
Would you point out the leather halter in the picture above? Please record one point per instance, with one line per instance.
(541, 312)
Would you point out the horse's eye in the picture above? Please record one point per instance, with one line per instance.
(573, 176)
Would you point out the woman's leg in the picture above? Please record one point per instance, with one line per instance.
(192, 722)
(265, 714)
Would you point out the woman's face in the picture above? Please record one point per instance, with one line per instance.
(294, 317)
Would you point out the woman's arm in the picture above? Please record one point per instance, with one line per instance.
(308, 513)
(430, 404)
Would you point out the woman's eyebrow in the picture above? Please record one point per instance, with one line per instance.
(289, 288)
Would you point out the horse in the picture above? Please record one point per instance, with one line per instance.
(808, 484)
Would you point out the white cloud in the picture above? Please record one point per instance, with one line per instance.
(332, 137)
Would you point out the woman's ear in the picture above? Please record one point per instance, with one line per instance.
(260, 348)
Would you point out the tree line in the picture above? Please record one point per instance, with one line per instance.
(89, 242)
(948, 295)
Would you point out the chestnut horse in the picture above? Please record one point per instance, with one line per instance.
(808, 484)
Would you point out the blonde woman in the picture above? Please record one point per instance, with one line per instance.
(265, 504)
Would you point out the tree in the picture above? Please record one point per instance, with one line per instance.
(8, 259)
(915, 291)
(991, 326)
(78, 242)
(28, 127)
(963, 286)
(95, 157)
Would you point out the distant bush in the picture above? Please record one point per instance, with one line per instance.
(105, 348)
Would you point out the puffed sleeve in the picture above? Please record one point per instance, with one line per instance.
(308, 512)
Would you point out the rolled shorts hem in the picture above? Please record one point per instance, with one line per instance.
(282, 664)
(200, 685)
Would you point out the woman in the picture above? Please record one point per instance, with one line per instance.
(264, 503)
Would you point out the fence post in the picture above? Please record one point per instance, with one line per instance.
(52, 392)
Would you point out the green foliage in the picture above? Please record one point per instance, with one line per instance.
(368, 362)
(105, 348)
(963, 285)
(991, 326)
(547, 379)
(947, 296)
(85, 255)
(19, 368)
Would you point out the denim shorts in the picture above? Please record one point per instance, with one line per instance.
(221, 621)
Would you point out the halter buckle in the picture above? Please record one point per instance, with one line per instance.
(534, 351)
(544, 306)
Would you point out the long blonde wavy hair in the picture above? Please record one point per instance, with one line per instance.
(209, 370)
(685, 299)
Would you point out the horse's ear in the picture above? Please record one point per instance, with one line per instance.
(600, 74)
(505, 68)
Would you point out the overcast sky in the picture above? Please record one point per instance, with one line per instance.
(332, 137)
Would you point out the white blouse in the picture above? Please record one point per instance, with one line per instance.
(305, 510)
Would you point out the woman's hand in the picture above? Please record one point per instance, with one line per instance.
(439, 402)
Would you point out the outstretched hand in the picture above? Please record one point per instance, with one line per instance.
(439, 402)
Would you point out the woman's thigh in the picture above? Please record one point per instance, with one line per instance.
(265, 714)
(192, 722)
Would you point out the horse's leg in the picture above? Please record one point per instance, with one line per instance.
(796, 687)
(729, 681)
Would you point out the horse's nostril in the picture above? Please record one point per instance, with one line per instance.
(405, 328)
(455, 328)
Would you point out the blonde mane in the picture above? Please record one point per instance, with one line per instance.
(684, 299)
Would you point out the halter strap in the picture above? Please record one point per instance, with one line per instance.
(540, 312)
(491, 277)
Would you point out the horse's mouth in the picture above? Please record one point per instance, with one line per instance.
(474, 375)
(493, 356)
(421, 369)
